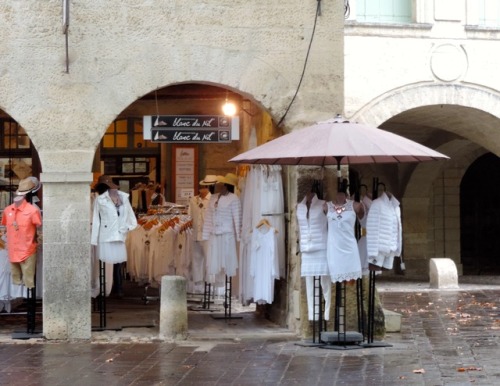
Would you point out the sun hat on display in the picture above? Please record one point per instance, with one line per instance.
(106, 180)
(26, 185)
(229, 178)
(37, 183)
(210, 179)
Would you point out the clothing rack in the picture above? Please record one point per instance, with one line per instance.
(165, 218)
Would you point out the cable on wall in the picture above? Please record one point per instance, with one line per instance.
(318, 13)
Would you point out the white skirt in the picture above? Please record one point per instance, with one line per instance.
(222, 255)
(112, 252)
(314, 263)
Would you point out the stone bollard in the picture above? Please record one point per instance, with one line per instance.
(173, 308)
(443, 273)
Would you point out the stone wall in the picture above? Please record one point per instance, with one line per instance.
(120, 50)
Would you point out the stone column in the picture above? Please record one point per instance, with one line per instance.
(66, 256)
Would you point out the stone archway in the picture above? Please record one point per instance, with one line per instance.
(431, 191)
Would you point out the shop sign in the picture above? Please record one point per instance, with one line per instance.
(191, 128)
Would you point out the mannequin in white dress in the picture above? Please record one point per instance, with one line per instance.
(342, 249)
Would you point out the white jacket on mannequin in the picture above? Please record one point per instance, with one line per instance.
(107, 225)
(313, 230)
(383, 229)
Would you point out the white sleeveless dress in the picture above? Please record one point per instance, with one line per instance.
(342, 248)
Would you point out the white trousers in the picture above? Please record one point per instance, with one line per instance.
(326, 287)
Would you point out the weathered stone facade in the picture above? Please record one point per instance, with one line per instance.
(434, 81)
(121, 50)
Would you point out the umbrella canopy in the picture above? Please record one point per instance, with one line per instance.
(337, 140)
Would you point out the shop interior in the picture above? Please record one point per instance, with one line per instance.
(146, 168)
(160, 177)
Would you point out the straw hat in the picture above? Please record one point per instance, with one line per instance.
(210, 179)
(106, 180)
(37, 183)
(25, 186)
(229, 178)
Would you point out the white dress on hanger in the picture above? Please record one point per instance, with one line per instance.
(264, 264)
(342, 249)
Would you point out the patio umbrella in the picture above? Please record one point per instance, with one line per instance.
(336, 142)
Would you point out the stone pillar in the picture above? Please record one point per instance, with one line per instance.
(66, 256)
(173, 308)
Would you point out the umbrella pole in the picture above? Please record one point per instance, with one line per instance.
(371, 284)
(339, 173)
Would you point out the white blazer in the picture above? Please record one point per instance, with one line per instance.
(225, 217)
(107, 225)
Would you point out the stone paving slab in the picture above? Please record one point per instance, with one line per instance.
(448, 337)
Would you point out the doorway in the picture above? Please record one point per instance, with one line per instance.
(480, 217)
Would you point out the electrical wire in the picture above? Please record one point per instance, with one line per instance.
(318, 13)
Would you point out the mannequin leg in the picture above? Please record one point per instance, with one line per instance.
(118, 279)
(310, 296)
(16, 273)
(109, 278)
(198, 263)
(326, 287)
(28, 268)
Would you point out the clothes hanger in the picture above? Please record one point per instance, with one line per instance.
(265, 222)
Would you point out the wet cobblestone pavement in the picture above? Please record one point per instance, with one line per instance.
(448, 337)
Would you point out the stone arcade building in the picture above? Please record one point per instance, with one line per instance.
(424, 70)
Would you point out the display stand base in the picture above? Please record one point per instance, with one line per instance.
(147, 299)
(334, 340)
(376, 344)
(309, 343)
(339, 347)
(24, 335)
(200, 308)
(226, 317)
(107, 328)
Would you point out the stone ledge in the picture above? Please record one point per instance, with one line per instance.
(66, 177)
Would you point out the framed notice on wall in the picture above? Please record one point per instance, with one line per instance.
(185, 172)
